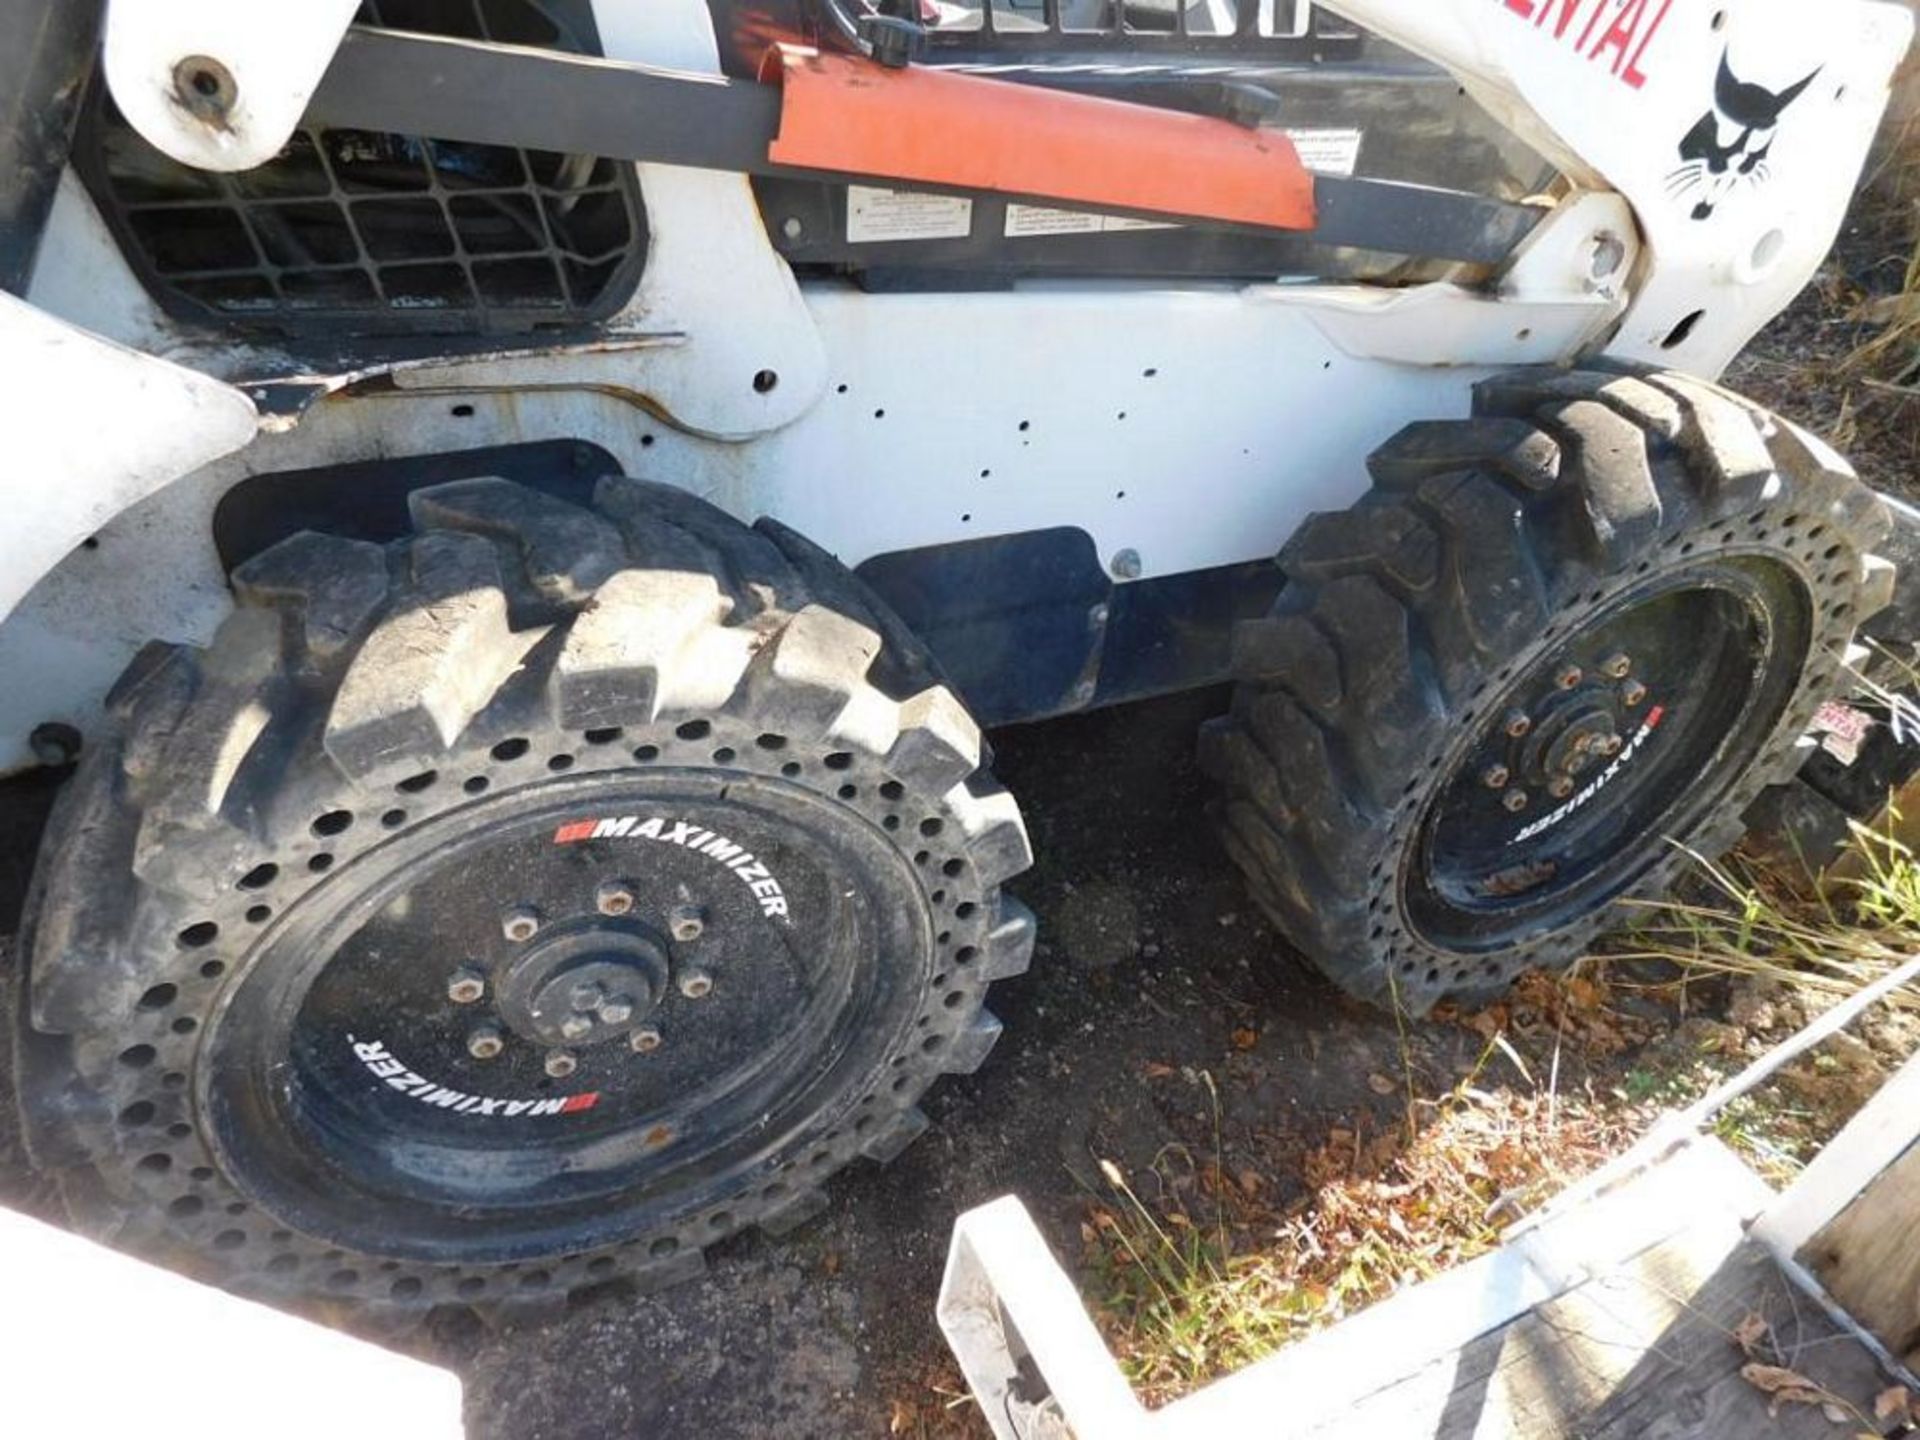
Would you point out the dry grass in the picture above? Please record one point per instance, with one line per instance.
(1208, 1277)
(1821, 937)
(1892, 357)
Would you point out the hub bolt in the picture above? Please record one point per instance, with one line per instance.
(1495, 777)
(695, 983)
(466, 985)
(614, 898)
(576, 1027)
(1633, 692)
(617, 1010)
(645, 1040)
(485, 1043)
(588, 996)
(520, 923)
(1517, 724)
(688, 922)
(1568, 677)
(560, 1064)
(1617, 667)
(1560, 786)
(1515, 800)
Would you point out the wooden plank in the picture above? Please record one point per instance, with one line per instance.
(1869, 1261)
(1846, 1165)
(1644, 1350)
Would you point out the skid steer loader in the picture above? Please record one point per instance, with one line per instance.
(518, 512)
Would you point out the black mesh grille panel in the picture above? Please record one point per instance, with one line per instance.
(1224, 30)
(368, 233)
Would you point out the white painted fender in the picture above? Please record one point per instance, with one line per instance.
(92, 428)
(1610, 89)
(276, 54)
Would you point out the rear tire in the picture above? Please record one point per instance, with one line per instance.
(306, 925)
(1416, 797)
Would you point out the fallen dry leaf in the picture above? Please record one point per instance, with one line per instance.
(1775, 1378)
(1380, 1085)
(1895, 1403)
(1245, 1038)
(901, 1420)
(1785, 1387)
(1154, 1070)
(1752, 1332)
(1583, 992)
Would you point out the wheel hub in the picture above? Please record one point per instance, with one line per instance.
(585, 982)
(1572, 738)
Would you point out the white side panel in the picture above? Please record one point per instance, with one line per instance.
(274, 53)
(1197, 427)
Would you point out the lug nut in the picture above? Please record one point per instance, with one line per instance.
(1568, 677)
(1617, 667)
(645, 1040)
(1612, 746)
(1514, 800)
(1560, 786)
(560, 1064)
(1517, 724)
(614, 898)
(466, 985)
(485, 1043)
(576, 1027)
(1632, 693)
(687, 922)
(616, 1011)
(695, 983)
(588, 996)
(1495, 777)
(520, 923)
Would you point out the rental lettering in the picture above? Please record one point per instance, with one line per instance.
(1613, 33)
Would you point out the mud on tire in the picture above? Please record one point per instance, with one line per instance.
(1366, 736)
(518, 658)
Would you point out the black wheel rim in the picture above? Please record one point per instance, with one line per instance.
(356, 1104)
(1609, 748)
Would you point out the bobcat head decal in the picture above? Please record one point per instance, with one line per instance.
(1731, 142)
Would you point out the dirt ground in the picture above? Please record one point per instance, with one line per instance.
(1153, 978)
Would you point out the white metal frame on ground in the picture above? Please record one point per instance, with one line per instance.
(1192, 425)
(98, 1343)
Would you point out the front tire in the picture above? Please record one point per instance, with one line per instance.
(523, 906)
(1557, 650)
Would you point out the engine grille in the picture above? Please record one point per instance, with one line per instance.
(368, 233)
(1254, 31)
